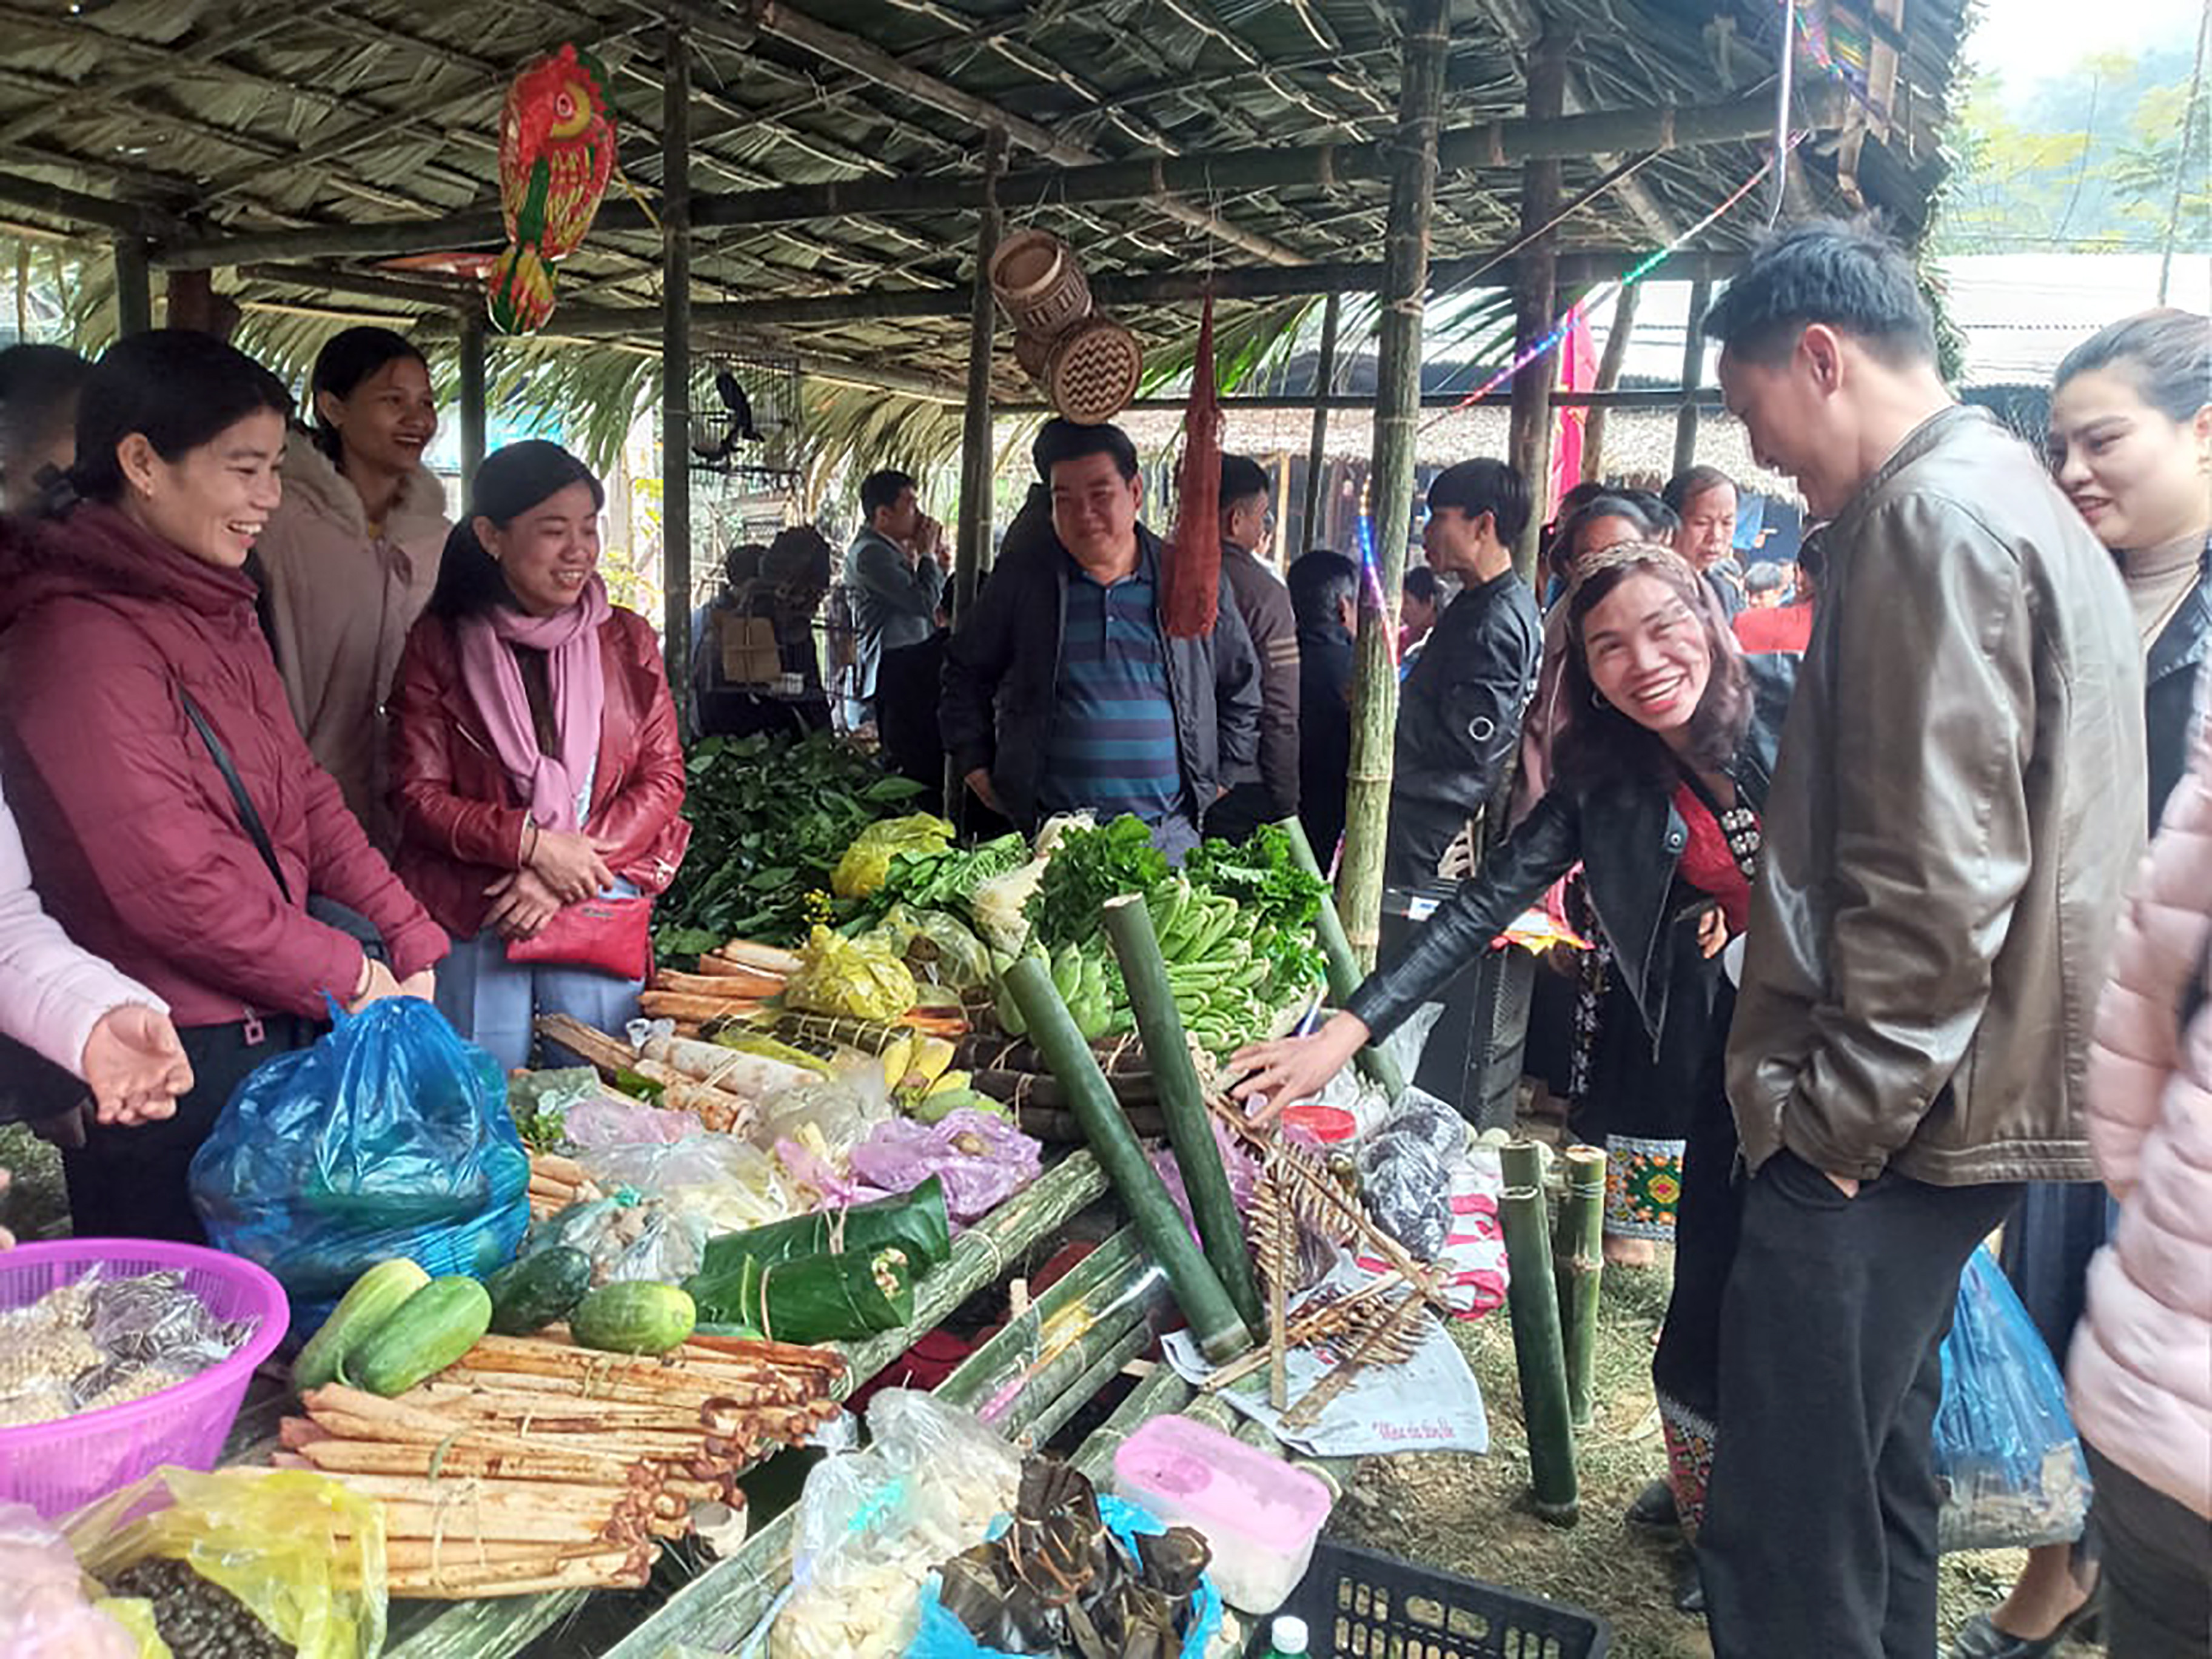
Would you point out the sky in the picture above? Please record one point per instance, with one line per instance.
(2025, 40)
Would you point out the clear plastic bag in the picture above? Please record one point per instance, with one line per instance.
(982, 1159)
(629, 1239)
(304, 1554)
(724, 1183)
(873, 1527)
(838, 1111)
(2006, 1456)
(389, 1137)
(44, 1614)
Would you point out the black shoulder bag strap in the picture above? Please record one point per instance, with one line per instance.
(249, 819)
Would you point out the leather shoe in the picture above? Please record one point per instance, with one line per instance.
(1982, 1640)
(1653, 1509)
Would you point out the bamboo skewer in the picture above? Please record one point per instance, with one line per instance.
(1390, 1343)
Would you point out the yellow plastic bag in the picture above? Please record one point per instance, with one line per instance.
(867, 861)
(305, 1554)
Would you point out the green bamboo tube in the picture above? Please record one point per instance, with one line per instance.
(1538, 1355)
(1198, 1289)
(1182, 1102)
(1344, 970)
(1579, 1264)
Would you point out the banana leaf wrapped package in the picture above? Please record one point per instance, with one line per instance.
(914, 1222)
(859, 978)
(812, 1299)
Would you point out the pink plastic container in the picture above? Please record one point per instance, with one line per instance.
(1260, 1515)
(57, 1467)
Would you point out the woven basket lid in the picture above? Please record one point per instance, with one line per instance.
(1093, 370)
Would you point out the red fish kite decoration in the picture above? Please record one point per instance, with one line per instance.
(556, 153)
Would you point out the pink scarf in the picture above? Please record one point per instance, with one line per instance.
(570, 640)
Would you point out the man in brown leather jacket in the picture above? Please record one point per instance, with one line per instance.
(1945, 850)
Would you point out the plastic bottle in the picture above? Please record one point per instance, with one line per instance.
(1286, 1639)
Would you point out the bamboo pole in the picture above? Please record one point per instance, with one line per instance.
(1198, 1289)
(1344, 971)
(1203, 174)
(1694, 367)
(975, 452)
(676, 362)
(1609, 365)
(1528, 441)
(1182, 1101)
(1398, 390)
(134, 287)
(1310, 535)
(474, 415)
(1534, 1300)
(1579, 1264)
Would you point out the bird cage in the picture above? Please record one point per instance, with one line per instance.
(746, 420)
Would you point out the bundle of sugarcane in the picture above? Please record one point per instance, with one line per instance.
(555, 1182)
(560, 1466)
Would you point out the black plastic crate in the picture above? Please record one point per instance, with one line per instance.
(1359, 1605)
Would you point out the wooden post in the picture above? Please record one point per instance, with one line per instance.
(474, 417)
(1317, 450)
(676, 362)
(134, 287)
(1609, 365)
(1397, 404)
(1528, 445)
(1694, 368)
(975, 456)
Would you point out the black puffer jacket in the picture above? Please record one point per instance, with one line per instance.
(1002, 672)
(1459, 719)
(1628, 838)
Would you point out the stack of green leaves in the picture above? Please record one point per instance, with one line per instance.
(771, 818)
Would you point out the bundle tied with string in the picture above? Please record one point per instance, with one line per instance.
(1192, 578)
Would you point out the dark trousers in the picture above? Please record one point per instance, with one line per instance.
(2158, 1568)
(1819, 1534)
(131, 1183)
(1239, 812)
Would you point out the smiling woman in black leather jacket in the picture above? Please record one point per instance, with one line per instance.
(1663, 766)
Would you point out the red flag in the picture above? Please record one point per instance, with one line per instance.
(1193, 576)
(1577, 373)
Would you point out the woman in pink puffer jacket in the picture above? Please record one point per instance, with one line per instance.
(2141, 1374)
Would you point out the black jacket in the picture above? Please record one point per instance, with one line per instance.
(1324, 658)
(1628, 838)
(1459, 719)
(2170, 676)
(1002, 673)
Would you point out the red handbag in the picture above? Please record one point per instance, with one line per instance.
(611, 936)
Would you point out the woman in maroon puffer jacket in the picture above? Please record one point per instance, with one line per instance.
(125, 617)
(535, 758)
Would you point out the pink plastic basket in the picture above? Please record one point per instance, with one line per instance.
(56, 1467)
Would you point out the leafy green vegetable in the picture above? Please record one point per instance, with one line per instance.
(770, 818)
(948, 880)
(1090, 867)
(1276, 895)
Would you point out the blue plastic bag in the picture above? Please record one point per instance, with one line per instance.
(2011, 1467)
(390, 1137)
(943, 1636)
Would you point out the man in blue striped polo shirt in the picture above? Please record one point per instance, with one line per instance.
(1063, 690)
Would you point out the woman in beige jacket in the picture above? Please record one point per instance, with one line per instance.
(349, 558)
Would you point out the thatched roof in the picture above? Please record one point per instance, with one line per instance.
(356, 124)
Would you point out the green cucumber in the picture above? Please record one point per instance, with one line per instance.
(375, 1297)
(633, 1318)
(528, 1295)
(433, 1329)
